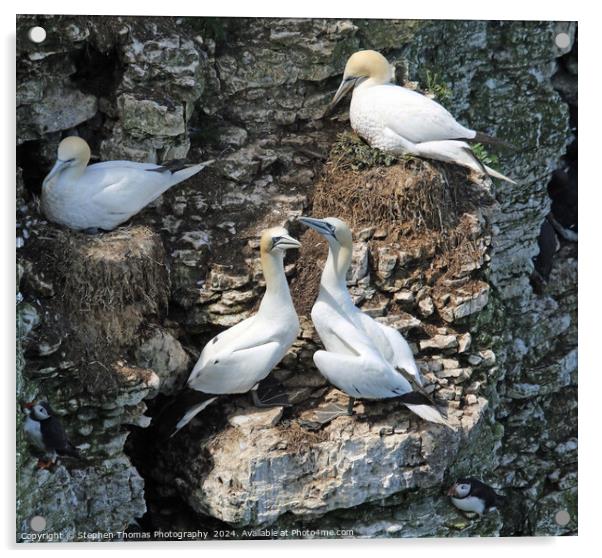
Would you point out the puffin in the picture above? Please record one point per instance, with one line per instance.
(236, 360)
(45, 432)
(473, 496)
(401, 121)
(102, 196)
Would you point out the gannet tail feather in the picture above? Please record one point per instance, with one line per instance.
(481, 137)
(457, 152)
(424, 408)
(190, 414)
(484, 168)
(180, 411)
(180, 170)
(495, 174)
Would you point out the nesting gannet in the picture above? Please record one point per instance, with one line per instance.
(104, 195)
(473, 496)
(363, 358)
(237, 359)
(45, 432)
(398, 120)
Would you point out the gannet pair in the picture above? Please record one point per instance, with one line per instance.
(363, 358)
(401, 121)
(237, 359)
(104, 195)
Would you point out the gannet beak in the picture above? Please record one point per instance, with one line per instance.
(452, 490)
(285, 242)
(318, 225)
(346, 85)
(55, 170)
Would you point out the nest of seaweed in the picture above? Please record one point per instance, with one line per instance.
(428, 208)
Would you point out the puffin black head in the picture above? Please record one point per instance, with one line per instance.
(39, 411)
(461, 488)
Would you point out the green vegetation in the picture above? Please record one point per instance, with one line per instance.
(489, 159)
(351, 152)
(437, 87)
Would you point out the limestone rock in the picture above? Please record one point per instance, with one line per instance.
(164, 354)
(347, 464)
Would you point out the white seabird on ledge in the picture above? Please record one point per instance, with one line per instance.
(104, 195)
(401, 121)
(237, 359)
(363, 358)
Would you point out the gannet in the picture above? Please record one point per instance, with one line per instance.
(401, 121)
(104, 195)
(45, 432)
(363, 358)
(237, 359)
(473, 496)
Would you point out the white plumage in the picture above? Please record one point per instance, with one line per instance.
(237, 359)
(33, 431)
(398, 120)
(103, 195)
(362, 357)
(470, 504)
(351, 362)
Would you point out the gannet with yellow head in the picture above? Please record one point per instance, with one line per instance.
(104, 195)
(398, 120)
(363, 358)
(237, 359)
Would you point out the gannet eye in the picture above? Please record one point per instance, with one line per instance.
(275, 241)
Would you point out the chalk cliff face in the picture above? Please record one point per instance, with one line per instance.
(109, 326)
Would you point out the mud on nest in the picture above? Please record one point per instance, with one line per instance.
(427, 207)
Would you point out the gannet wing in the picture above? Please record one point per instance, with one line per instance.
(337, 332)
(402, 355)
(351, 361)
(125, 190)
(391, 344)
(364, 376)
(222, 340)
(121, 165)
(237, 371)
(416, 117)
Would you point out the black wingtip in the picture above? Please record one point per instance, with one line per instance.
(171, 166)
(481, 137)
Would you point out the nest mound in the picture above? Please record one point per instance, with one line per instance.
(105, 285)
(430, 209)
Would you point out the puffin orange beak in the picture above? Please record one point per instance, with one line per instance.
(29, 405)
(452, 490)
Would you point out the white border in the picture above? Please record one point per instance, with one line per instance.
(590, 247)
